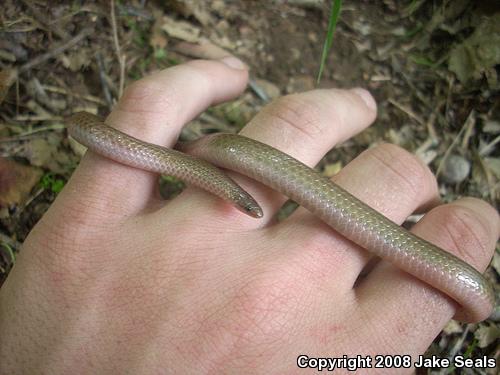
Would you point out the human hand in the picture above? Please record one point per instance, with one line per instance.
(112, 279)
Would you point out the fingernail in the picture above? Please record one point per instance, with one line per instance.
(366, 97)
(233, 62)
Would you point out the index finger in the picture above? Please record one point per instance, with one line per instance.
(153, 109)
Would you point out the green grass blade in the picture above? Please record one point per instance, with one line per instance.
(334, 16)
(10, 252)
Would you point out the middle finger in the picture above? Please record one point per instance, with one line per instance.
(306, 126)
(387, 178)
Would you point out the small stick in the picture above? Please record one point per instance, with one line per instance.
(121, 58)
(104, 82)
(469, 123)
(63, 91)
(408, 111)
(487, 149)
(56, 51)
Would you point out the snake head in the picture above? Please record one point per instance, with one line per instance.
(246, 204)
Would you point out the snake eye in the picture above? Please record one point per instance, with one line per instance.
(254, 211)
(245, 203)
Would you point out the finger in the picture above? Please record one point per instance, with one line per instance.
(153, 109)
(306, 126)
(157, 107)
(387, 178)
(468, 228)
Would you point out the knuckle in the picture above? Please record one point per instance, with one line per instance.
(299, 115)
(320, 242)
(404, 168)
(138, 92)
(143, 96)
(468, 234)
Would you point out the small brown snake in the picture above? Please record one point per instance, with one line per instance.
(343, 212)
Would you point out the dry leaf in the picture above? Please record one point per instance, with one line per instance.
(7, 78)
(300, 83)
(180, 30)
(332, 169)
(491, 127)
(486, 334)
(453, 327)
(479, 53)
(16, 182)
(493, 165)
(197, 9)
(77, 58)
(46, 153)
(158, 39)
(204, 49)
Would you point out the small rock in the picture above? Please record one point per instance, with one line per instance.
(456, 169)
(270, 89)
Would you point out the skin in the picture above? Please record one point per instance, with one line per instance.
(114, 280)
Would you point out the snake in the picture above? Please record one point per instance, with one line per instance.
(198, 163)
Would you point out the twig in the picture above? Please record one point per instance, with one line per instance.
(408, 111)
(17, 139)
(431, 106)
(490, 180)
(31, 134)
(121, 58)
(22, 207)
(56, 51)
(454, 350)
(18, 97)
(431, 130)
(258, 90)
(36, 118)
(425, 152)
(63, 91)
(487, 149)
(7, 25)
(44, 128)
(104, 81)
(468, 123)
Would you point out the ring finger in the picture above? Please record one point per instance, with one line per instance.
(387, 178)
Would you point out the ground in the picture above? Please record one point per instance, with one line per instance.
(432, 66)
